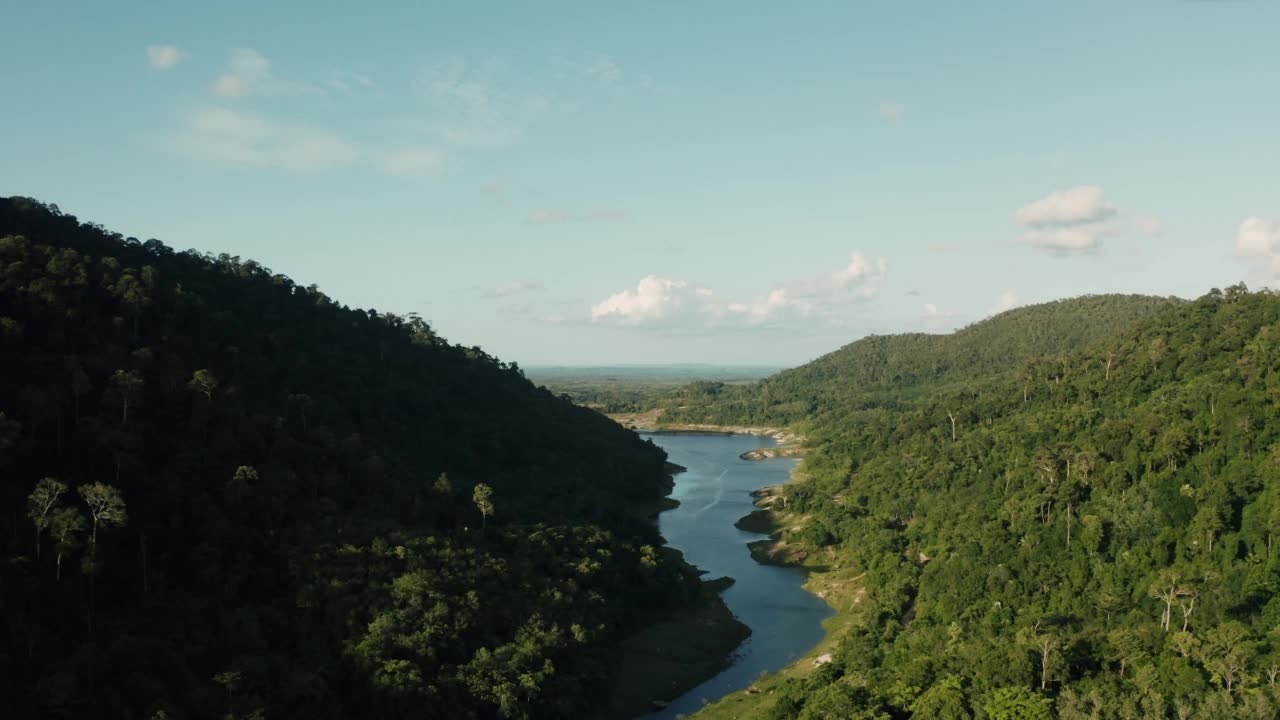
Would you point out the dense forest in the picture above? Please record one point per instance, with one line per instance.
(1092, 533)
(879, 369)
(228, 495)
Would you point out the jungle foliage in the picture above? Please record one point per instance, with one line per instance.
(1089, 533)
(228, 495)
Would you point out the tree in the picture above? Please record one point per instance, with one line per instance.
(41, 504)
(483, 498)
(67, 526)
(1167, 588)
(945, 700)
(1226, 653)
(1017, 703)
(1125, 647)
(127, 383)
(106, 508)
(204, 383)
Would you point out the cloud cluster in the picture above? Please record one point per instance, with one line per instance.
(825, 298)
(1260, 239)
(1075, 221)
(251, 140)
(163, 57)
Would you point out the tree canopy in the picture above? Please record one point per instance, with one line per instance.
(234, 496)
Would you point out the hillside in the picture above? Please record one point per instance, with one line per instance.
(1093, 537)
(894, 367)
(228, 495)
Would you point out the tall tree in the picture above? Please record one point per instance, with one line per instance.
(483, 498)
(41, 504)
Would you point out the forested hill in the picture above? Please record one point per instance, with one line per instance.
(225, 494)
(891, 367)
(1092, 537)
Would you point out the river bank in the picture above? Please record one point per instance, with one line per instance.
(841, 588)
(675, 653)
(719, 489)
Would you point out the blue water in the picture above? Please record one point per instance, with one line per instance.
(785, 621)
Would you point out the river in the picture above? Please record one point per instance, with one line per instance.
(785, 620)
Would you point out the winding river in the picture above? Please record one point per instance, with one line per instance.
(785, 620)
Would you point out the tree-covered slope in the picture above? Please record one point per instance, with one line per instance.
(225, 493)
(883, 367)
(1096, 538)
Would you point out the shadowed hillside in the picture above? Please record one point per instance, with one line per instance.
(228, 494)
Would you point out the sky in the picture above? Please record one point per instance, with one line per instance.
(732, 182)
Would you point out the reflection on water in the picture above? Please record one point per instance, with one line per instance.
(785, 621)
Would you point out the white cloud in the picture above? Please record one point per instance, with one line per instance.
(1009, 300)
(654, 299)
(1075, 222)
(1084, 204)
(862, 277)
(163, 57)
(891, 110)
(1260, 238)
(249, 72)
(826, 299)
(240, 138)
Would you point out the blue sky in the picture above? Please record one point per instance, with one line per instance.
(728, 182)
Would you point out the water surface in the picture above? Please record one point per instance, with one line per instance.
(785, 621)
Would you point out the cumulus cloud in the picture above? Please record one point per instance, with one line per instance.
(825, 298)
(653, 299)
(163, 57)
(1084, 204)
(1259, 239)
(1075, 221)
(251, 140)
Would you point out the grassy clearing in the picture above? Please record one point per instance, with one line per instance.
(674, 655)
